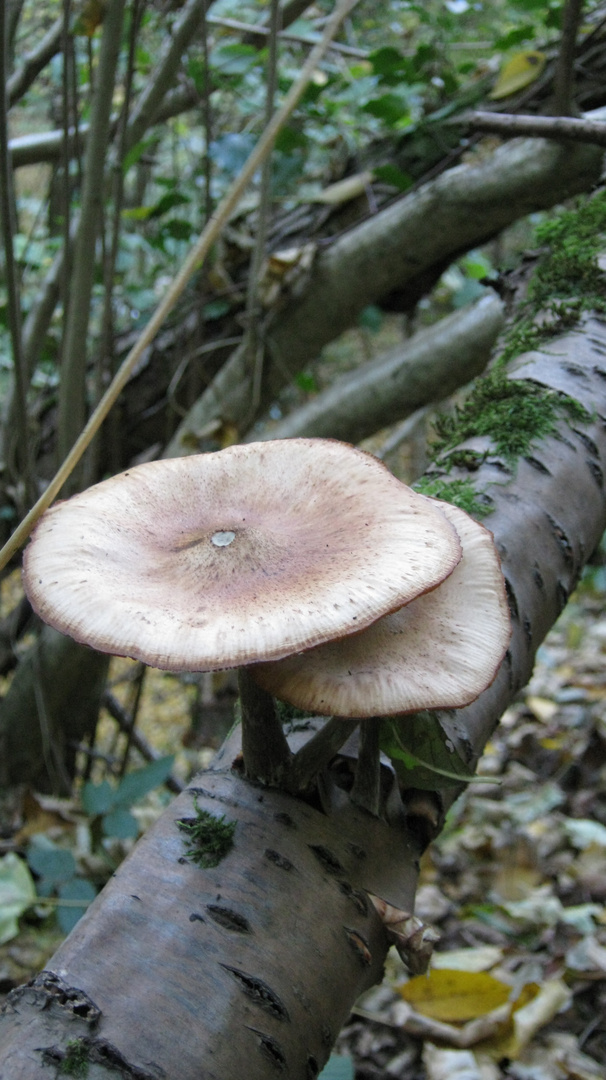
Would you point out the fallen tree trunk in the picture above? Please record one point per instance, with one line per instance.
(177, 971)
(426, 369)
(394, 250)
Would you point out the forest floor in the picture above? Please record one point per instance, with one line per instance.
(516, 886)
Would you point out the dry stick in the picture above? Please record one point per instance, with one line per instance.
(563, 80)
(191, 264)
(541, 127)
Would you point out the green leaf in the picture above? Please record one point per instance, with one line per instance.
(97, 798)
(54, 864)
(76, 889)
(338, 1067)
(120, 824)
(290, 139)
(137, 784)
(168, 202)
(307, 382)
(178, 229)
(17, 893)
(390, 174)
(422, 754)
(371, 318)
(389, 65)
(517, 36)
(234, 59)
(389, 107)
(215, 309)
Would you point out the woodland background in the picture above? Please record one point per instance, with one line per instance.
(123, 126)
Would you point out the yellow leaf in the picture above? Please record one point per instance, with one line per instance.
(90, 17)
(520, 71)
(533, 1009)
(455, 995)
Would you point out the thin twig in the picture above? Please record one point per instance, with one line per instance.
(123, 718)
(253, 340)
(192, 263)
(541, 127)
(264, 31)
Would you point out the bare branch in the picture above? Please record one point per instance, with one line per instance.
(34, 62)
(426, 368)
(541, 127)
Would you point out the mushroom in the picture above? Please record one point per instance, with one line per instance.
(248, 554)
(440, 650)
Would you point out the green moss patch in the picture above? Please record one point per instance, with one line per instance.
(460, 493)
(514, 413)
(75, 1059)
(208, 838)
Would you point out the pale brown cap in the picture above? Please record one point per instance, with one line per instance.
(248, 554)
(439, 651)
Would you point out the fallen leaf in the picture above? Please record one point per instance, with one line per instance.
(520, 71)
(451, 995)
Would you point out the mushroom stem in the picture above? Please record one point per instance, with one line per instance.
(317, 753)
(366, 790)
(265, 750)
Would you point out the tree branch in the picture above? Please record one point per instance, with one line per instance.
(426, 368)
(392, 250)
(34, 62)
(561, 128)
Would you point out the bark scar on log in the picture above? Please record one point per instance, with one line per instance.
(357, 897)
(271, 1049)
(51, 989)
(231, 920)
(278, 860)
(359, 945)
(259, 992)
(327, 860)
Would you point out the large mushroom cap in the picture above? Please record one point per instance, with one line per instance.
(439, 651)
(251, 553)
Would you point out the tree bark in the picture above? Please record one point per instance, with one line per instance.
(178, 972)
(393, 250)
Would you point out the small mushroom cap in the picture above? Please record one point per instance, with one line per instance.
(439, 651)
(251, 553)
